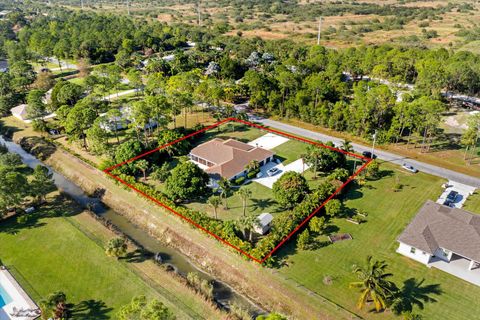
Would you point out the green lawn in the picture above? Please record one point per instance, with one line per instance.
(52, 253)
(473, 203)
(77, 80)
(290, 151)
(232, 130)
(388, 214)
(260, 201)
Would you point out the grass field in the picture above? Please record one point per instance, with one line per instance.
(53, 255)
(388, 214)
(63, 250)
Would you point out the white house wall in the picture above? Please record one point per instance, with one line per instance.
(419, 255)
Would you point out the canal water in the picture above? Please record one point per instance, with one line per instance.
(223, 294)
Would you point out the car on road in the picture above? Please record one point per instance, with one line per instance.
(450, 200)
(368, 154)
(409, 168)
(273, 171)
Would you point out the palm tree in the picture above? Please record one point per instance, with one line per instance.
(347, 146)
(54, 306)
(373, 284)
(116, 247)
(214, 201)
(252, 165)
(226, 187)
(312, 157)
(142, 165)
(245, 194)
(247, 223)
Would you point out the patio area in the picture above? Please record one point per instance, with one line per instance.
(458, 267)
(297, 166)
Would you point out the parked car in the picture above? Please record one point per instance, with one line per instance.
(409, 168)
(451, 198)
(273, 171)
(368, 154)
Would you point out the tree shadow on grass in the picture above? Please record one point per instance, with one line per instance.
(8, 131)
(58, 206)
(90, 309)
(353, 192)
(262, 204)
(414, 293)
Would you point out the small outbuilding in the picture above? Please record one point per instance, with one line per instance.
(20, 112)
(264, 223)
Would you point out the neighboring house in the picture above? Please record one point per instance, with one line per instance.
(445, 238)
(264, 223)
(228, 158)
(127, 115)
(111, 124)
(20, 112)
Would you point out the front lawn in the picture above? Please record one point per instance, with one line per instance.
(388, 214)
(290, 151)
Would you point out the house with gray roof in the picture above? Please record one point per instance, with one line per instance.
(445, 238)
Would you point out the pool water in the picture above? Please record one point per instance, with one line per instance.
(4, 297)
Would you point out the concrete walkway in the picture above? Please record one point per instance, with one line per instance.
(384, 155)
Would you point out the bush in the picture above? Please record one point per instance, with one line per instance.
(239, 181)
(252, 174)
(303, 240)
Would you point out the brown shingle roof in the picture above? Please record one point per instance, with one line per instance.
(436, 225)
(229, 156)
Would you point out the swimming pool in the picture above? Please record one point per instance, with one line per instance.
(4, 297)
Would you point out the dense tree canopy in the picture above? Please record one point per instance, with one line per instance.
(187, 181)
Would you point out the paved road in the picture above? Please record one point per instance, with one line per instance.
(114, 96)
(387, 156)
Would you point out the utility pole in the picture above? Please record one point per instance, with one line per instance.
(82, 4)
(128, 7)
(319, 30)
(198, 13)
(373, 145)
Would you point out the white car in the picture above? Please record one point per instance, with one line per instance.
(409, 168)
(273, 171)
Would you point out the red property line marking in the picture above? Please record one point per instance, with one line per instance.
(286, 238)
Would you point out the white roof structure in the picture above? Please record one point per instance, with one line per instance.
(20, 112)
(264, 219)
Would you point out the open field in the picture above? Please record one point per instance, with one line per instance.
(388, 214)
(344, 24)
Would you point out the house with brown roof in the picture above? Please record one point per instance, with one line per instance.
(446, 238)
(228, 158)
